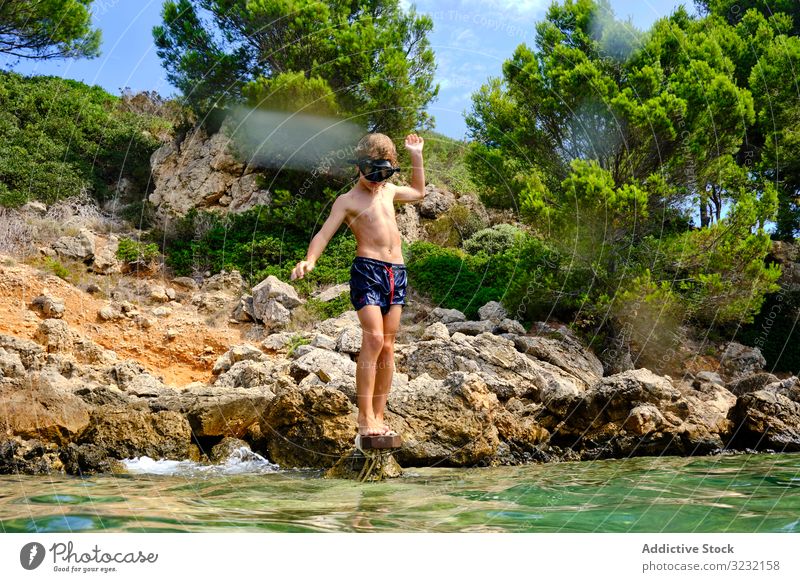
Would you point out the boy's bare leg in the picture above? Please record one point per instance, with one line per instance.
(371, 346)
(383, 376)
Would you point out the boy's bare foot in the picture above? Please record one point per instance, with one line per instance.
(370, 427)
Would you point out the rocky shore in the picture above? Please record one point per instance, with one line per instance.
(465, 393)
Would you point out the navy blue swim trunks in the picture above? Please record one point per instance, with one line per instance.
(374, 282)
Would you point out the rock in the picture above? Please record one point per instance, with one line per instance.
(126, 433)
(55, 335)
(493, 311)
(171, 334)
(30, 353)
(109, 313)
(231, 283)
(232, 448)
(50, 307)
(196, 171)
(447, 315)
(565, 353)
(325, 364)
(79, 247)
(510, 326)
(310, 427)
(186, 283)
(445, 422)
(407, 217)
(352, 462)
(105, 257)
(243, 352)
(244, 310)
(213, 412)
(34, 207)
(707, 376)
(506, 372)
(332, 293)
(349, 340)
(11, 365)
(436, 330)
(42, 407)
(475, 206)
(162, 311)
(269, 292)
(211, 302)
(751, 383)
(738, 360)
(272, 314)
(278, 340)
(471, 327)
(323, 341)
(28, 457)
(159, 294)
(767, 419)
(640, 411)
(436, 202)
(89, 459)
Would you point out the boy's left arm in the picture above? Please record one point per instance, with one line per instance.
(416, 191)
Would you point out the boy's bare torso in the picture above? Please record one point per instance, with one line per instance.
(371, 217)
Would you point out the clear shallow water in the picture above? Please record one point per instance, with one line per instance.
(737, 493)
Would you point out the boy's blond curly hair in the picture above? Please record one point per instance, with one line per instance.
(376, 146)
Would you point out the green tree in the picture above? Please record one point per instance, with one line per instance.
(762, 40)
(368, 59)
(46, 29)
(664, 104)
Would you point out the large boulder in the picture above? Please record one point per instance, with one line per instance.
(769, 418)
(80, 247)
(506, 371)
(310, 427)
(446, 422)
(28, 457)
(203, 171)
(639, 412)
(43, 407)
(272, 300)
(130, 432)
(738, 360)
(436, 202)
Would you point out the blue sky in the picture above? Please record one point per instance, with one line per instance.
(471, 39)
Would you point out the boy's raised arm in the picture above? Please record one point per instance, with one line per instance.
(321, 239)
(414, 145)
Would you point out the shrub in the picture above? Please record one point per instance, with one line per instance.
(134, 252)
(60, 137)
(494, 240)
(454, 226)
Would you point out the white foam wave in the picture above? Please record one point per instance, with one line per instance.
(241, 461)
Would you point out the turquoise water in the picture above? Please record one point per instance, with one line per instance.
(731, 493)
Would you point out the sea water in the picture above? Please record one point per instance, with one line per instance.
(725, 493)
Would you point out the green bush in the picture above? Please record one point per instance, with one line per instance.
(59, 137)
(528, 279)
(131, 252)
(454, 226)
(494, 240)
(258, 243)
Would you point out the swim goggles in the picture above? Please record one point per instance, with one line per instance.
(376, 170)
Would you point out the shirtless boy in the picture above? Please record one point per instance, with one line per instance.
(378, 274)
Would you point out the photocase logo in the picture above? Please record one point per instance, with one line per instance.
(31, 555)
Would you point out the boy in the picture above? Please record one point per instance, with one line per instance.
(378, 274)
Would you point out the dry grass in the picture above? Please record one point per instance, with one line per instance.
(17, 237)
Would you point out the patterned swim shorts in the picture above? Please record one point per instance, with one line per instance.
(375, 282)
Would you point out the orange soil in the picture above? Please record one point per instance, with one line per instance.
(187, 358)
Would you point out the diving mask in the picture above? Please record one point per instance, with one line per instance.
(376, 170)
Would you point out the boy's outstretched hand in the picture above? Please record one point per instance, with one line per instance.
(301, 269)
(414, 143)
